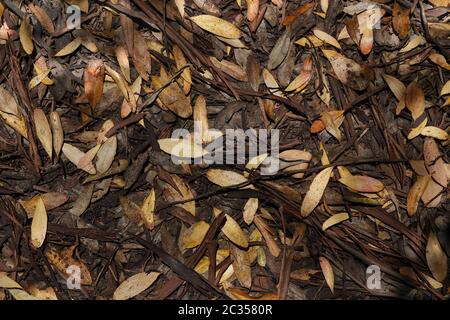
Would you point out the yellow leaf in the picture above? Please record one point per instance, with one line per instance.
(315, 192)
(434, 132)
(271, 83)
(233, 231)
(38, 79)
(254, 163)
(417, 130)
(25, 37)
(135, 285)
(415, 193)
(148, 210)
(69, 48)
(300, 82)
(445, 89)
(241, 266)
(61, 260)
(327, 271)
(39, 224)
(43, 131)
(193, 236)
(325, 37)
(217, 26)
(436, 258)
(334, 219)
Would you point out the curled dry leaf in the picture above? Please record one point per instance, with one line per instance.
(26, 37)
(417, 130)
(39, 224)
(148, 210)
(234, 233)
(57, 132)
(315, 191)
(39, 78)
(436, 258)
(327, 271)
(362, 183)
(135, 285)
(440, 60)
(9, 111)
(415, 193)
(43, 131)
(217, 26)
(335, 219)
(94, 76)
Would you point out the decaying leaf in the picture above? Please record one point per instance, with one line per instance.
(362, 183)
(334, 219)
(43, 131)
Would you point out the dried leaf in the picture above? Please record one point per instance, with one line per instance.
(94, 76)
(325, 37)
(217, 26)
(135, 285)
(335, 219)
(39, 224)
(225, 178)
(315, 191)
(148, 210)
(43, 131)
(233, 231)
(327, 271)
(26, 37)
(415, 99)
(436, 258)
(76, 156)
(69, 48)
(250, 210)
(57, 132)
(415, 193)
(362, 183)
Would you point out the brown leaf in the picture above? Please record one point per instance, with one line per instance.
(415, 100)
(436, 258)
(94, 76)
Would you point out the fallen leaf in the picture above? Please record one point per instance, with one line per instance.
(39, 224)
(362, 183)
(327, 271)
(234, 233)
(217, 26)
(335, 219)
(135, 285)
(315, 191)
(436, 258)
